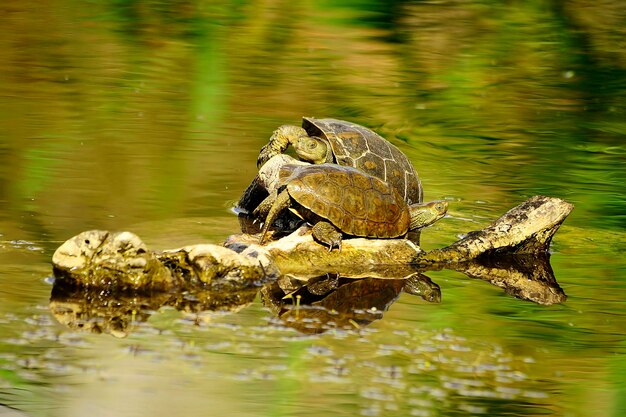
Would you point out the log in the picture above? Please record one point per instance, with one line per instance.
(105, 281)
(121, 261)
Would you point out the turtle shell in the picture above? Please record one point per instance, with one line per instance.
(356, 203)
(359, 147)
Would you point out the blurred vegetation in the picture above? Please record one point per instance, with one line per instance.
(141, 109)
(124, 112)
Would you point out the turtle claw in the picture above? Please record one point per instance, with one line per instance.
(334, 243)
(263, 238)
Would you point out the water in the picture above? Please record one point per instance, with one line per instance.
(149, 116)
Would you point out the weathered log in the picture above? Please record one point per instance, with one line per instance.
(117, 261)
(525, 229)
(97, 265)
(299, 254)
(120, 261)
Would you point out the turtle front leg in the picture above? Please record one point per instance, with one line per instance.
(279, 142)
(281, 202)
(327, 234)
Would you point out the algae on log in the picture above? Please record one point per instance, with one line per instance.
(120, 261)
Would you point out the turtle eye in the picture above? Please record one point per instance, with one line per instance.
(312, 144)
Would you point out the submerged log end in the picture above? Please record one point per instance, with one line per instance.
(525, 229)
(531, 225)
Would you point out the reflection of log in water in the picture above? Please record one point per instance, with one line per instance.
(308, 304)
(528, 277)
(318, 304)
(96, 311)
(93, 310)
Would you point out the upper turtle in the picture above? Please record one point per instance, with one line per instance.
(336, 141)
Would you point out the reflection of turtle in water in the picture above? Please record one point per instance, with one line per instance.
(416, 284)
(336, 141)
(422, 286)
(323, 284)
(338, 199)
(353, 304)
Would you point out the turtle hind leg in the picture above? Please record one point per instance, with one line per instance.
(282, 201)
(263, 209)
(327, 234)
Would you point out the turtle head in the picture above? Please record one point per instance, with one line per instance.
(425, 214)
(313, 149)
(279, 142)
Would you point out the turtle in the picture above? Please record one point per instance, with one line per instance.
(321, 141)
(339, 200)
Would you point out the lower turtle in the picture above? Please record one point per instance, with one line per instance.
(340, 200)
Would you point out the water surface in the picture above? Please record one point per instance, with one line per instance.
(149, 116)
